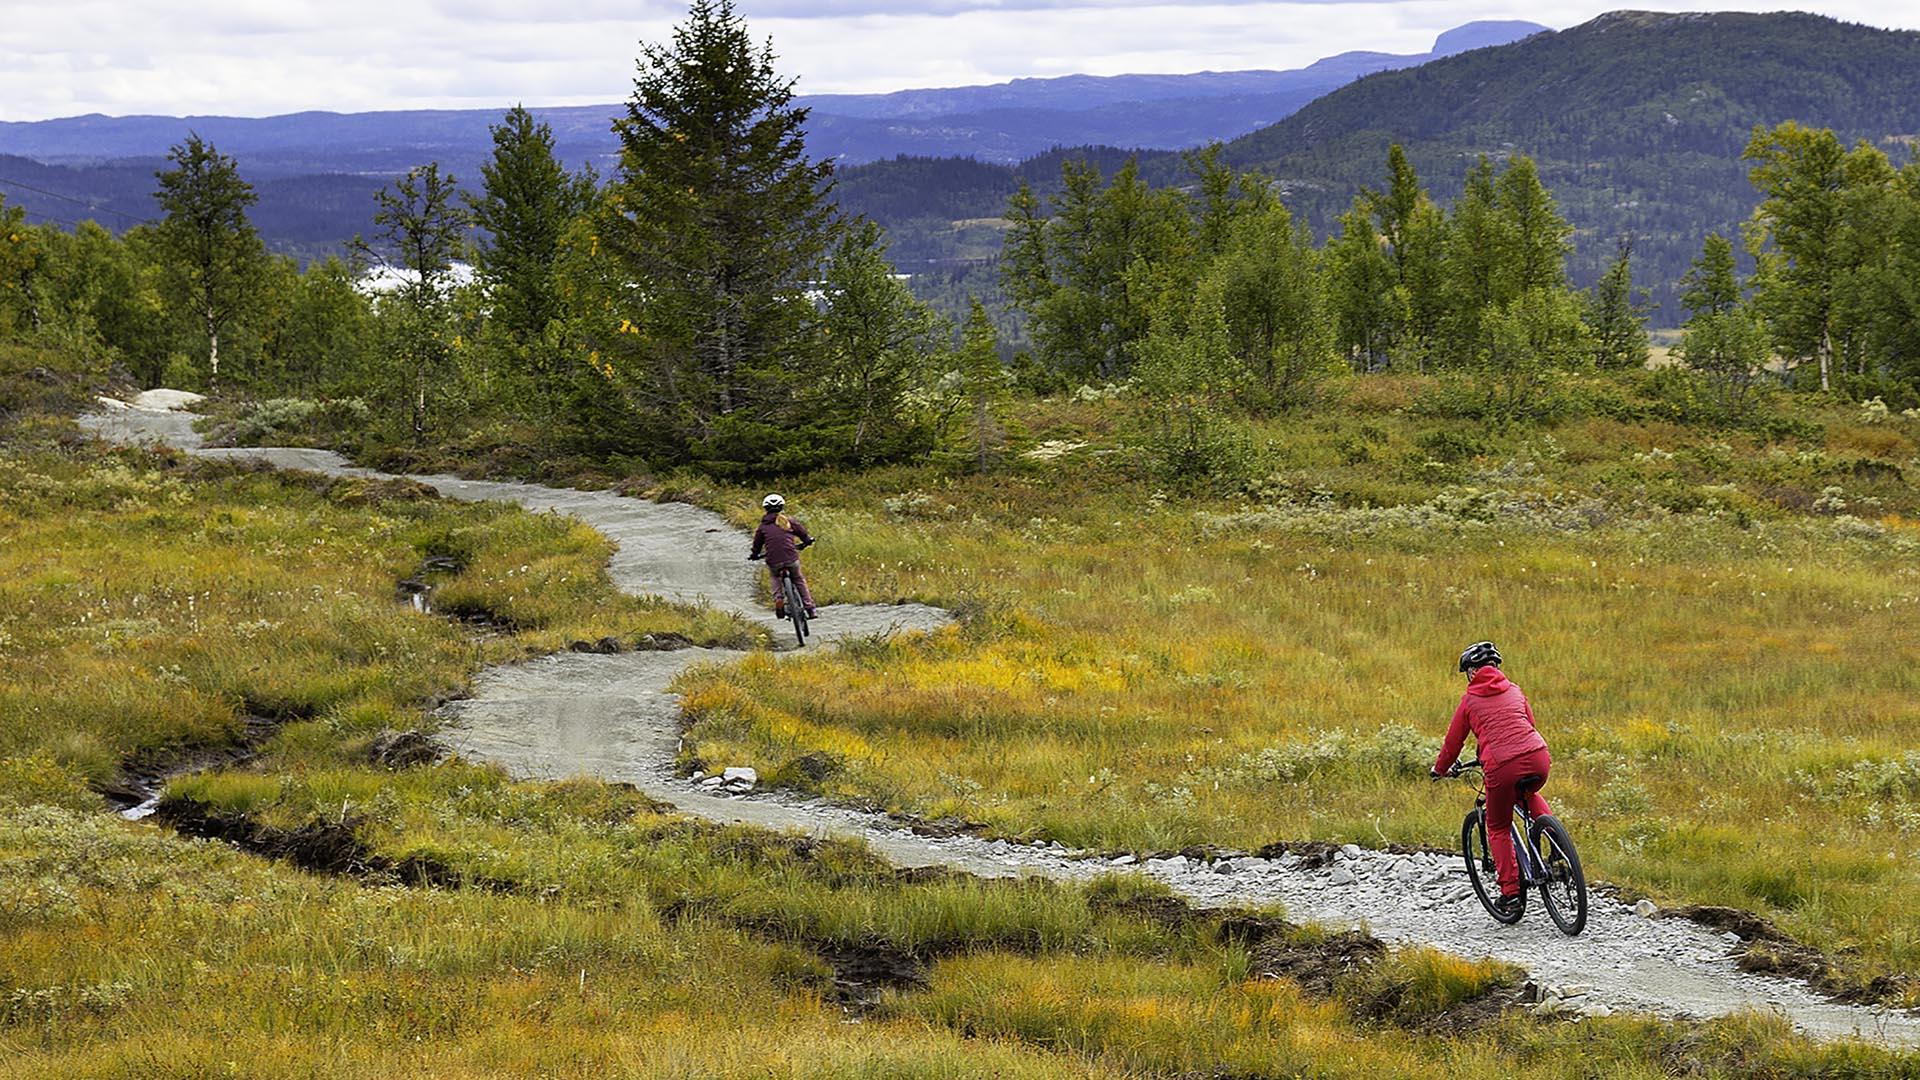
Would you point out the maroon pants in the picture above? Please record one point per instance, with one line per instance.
(1501, 798)
(800, 579)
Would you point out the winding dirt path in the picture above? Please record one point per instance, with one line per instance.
(613, 717)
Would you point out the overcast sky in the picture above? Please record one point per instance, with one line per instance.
(259, 57)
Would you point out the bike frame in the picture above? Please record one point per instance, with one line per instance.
(1532, 871)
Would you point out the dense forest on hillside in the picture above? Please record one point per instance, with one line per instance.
(1637, 121)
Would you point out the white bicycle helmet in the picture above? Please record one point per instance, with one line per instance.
(773, 502)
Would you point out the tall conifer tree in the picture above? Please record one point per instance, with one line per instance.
(526, 204)
(717, 222)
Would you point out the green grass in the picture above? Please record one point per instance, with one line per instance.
(148, 604)
(637, 945)
(1146, 672)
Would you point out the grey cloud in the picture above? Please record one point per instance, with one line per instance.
(254, 57)
(835, 9)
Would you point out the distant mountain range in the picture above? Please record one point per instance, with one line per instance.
(316, 171)
(1636, 119)
(1006, 123)
(1011, 122)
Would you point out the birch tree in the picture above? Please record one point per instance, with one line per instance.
(211, 255)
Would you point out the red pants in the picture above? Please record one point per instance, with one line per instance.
(1500, 802)
(800, 579)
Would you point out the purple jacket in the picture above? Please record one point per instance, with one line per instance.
(779, 543)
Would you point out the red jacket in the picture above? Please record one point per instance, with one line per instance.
(1501, 720)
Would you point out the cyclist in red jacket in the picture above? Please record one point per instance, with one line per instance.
(1511, 750)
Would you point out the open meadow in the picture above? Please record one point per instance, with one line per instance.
(362, 916)
(1718, 633)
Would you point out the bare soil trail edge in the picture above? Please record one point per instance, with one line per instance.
(613, 717)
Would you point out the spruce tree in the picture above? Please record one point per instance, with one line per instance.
(1712, 285)
(717, 222)
(1089, 278)
(1725, 338)
(1535, 238)
(1616, 315)
(1473, 266)
(211, 255)
(983, 385)
(875, 338)
(527, 202)
(1414, 231)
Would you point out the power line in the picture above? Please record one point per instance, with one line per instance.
(69, 223)
(78, 202)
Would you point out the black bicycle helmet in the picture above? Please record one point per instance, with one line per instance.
(1479, 654)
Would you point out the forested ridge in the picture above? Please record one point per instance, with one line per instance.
(1637, 121)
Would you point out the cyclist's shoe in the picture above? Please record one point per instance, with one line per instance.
(813, 613)
(779, 612)
(1509, 906)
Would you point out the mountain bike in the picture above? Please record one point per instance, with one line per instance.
(796, 607)
(786, 592)
(1542, 848)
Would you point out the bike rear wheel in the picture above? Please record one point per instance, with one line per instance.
(1480, 867)
(796, 610)
(1565, 890)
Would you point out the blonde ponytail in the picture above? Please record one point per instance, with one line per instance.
(785, 522)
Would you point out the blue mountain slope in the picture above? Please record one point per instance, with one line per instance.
(1006, 122)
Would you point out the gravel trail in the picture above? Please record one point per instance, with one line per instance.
(613, 717)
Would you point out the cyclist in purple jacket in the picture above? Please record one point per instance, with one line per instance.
(779, 539)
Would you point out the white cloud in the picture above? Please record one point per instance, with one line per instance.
(257, 57)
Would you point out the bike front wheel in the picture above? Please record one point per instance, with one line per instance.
(1480, 868)
(1565, 890)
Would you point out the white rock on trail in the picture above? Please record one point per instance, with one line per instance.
(166, 400)
(613, 716)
